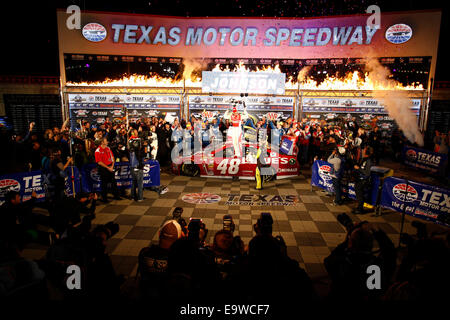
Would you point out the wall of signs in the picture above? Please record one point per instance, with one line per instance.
(278, 107)
(96, 108)
(363, 109)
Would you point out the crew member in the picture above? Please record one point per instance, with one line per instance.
(105, 164)
(362, 176)
(260, 166)
(136, 166)
(337, 159)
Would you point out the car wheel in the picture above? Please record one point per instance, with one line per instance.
(190, 169)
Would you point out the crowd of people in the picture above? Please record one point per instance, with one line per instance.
(182, 264)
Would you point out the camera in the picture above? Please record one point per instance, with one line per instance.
(228, 224)
(135, 144)
(264, 224)
(194, 230)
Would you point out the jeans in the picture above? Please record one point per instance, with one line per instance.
(337, 186)
(137, 176)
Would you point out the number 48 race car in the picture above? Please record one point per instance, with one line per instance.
(221, 162)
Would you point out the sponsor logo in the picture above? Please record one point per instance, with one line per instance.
(348, 103)
(272, 115)
(94, 32)
(81, 113)
(78, 98)
(152, 99)
(201, 198)
(94, 175)
(7, 185)
(311, 102)
(292, 161)
(324, 172)
(399, 191)
(411, 154)
(398, 33)
(197, 100)
(115, 99)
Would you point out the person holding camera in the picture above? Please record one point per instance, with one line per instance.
(136, 166)
(362, 178)
(348, 262)
(105, 164)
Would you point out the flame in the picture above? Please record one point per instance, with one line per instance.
(351, 81)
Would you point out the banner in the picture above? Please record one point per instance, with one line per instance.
(426, 160)
(91, 180)
(249, 82)
(321, 177)
(417, 199)
(24, 183)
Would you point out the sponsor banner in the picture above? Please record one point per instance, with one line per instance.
(24, 183)
(417, 199)
(279, 108)
(91, 180)
(426, 160)
(248, 82)
(353, 105)
(321, 177)
(123, 99)
(261, 200)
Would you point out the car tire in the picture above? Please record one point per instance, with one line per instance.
(190, 169)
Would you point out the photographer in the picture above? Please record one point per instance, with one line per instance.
(270, 274)
(362, 178)
(348, 262)
(136, 165)
(105, 164)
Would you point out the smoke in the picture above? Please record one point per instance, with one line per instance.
(193, 67)
(396, 102)
(303, 73)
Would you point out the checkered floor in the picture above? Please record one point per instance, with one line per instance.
(309, 227)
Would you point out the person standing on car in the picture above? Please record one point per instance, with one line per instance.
(104, 158)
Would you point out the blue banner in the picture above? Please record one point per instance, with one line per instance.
(426, 160)
(91, 180)
(321, 177)
(24, 183)
(417, 199)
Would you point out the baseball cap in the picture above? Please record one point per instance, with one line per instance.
(169, 233)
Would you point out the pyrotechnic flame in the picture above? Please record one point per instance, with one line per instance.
(351, 81)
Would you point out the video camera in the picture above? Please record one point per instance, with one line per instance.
(135, 144)
(264, 224)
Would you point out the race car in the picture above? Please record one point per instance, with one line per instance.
(221, 162)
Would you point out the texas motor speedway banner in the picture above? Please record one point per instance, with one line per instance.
(321, 177)
(426, 160)
(90, 179)
(417, 199)
(27, 182)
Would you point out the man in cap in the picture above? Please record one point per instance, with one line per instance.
(153, 260)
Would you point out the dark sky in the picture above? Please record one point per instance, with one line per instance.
(29, 36)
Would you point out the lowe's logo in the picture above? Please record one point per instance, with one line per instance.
(94, 32)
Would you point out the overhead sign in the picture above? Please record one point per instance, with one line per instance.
(243, 82)
(271, 38)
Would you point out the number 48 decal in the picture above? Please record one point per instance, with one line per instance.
(232, 169)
